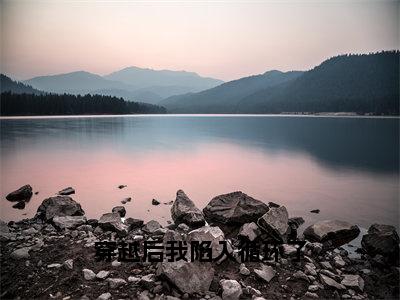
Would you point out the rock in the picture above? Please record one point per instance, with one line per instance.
(151, 226)
(104, 296)
(188, 277)
(112, 222)
(148, 281)
(102, 274)
(355, 282)
(266, 272)
(289, 250)
(19, 205)
(313, 288)
(133, 223)
(329, 274)
(116, 263)
(338, 261)
(315, 211)
(326, 265)
(296, 221)
(67, 191)
(21, 253)
(243, 270)
(114, 283)
(5, 234)
(54, 266)
(300, 275)
(183, 227)
(69, 264)
(155, 202)
(88, 274)
(273, 204)
(249, 231)
(119, 210)
(231, 289)
(69, 222)
(234, 208)
(58, 206)
(24, 193)
(382, 240)
(310, 269)
(184, 211)
(133, 279)
(311, 295)
(209, 233)
(275, 222)
(332, 233)
(169, 202)
(330, 282)
(122, 186)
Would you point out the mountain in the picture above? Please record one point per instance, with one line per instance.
(225, 97)
(181, 81)
(367, 83)
(349, 83)
(133, 84)
(15, 87)
(74, 83)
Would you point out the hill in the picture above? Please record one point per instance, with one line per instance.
(225, 97)
(367, 83)
(15, 87)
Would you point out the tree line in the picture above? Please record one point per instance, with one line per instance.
(66, 104)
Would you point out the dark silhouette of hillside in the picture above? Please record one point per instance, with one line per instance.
(66, 104)
(9, 85)
(367, 83)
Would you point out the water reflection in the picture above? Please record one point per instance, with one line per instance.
(340, 165)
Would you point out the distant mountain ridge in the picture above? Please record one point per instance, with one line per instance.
(134, 84)
(367, 83)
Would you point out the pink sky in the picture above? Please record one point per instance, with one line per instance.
(220, 39)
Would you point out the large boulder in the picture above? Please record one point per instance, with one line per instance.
(24, 193)
(383, 240)
(184, 211)
(69, 222)
(275, 222)
(331, 233)
(234, 208)
(231, 289)
(113, 222)
(58, 206)
(188, 277)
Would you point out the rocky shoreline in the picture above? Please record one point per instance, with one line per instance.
(53, 255)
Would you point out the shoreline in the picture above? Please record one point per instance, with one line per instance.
(328, 115)
(53, 255)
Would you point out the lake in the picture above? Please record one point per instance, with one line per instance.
(348, 167)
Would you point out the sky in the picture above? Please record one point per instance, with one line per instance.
(221, 39)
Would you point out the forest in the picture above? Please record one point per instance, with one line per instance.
(65, 104)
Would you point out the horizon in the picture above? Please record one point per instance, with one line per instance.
(196, 73)
(217, 40)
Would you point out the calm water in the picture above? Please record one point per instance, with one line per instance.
(347, 167)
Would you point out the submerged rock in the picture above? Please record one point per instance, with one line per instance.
(120, 210)
(69, 222)
(382, 240)
(19, 205)
(188, 277)
(275, 222)
(24, 193)
(113, 222)
(332, 233)
(67, 191)
(155, 202)
(183, 210)
(58, 206)
(234, 208)
(315, 211)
